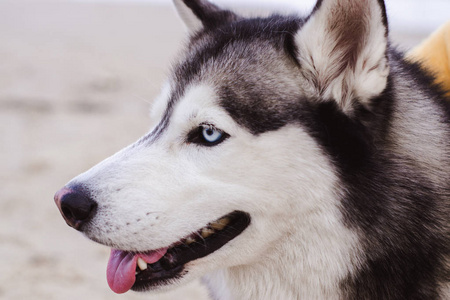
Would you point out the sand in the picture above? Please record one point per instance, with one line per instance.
(76, 83)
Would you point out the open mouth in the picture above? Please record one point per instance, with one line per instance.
(147, 270)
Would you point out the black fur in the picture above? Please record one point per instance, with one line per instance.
(277, 29)
(161, 127)
(389, 199)
(392, 199)
(210, 15)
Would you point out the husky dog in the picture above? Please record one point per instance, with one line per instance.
(292, 158)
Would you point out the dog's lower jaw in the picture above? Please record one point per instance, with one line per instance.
(314, 254)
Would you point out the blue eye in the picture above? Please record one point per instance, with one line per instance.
(207, 135)
(211, 135)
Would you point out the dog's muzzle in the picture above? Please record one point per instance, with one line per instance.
(75, 205)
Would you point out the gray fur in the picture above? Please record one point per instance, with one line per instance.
(360, 172)
(404, 147)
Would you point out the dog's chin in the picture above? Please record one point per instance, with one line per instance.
(170, 265)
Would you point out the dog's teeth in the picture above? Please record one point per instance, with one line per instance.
(207, 232)
(189, 240)
(220, 224)
(141, 264)
(225, 221)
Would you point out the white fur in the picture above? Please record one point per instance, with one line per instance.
(163, 188)
(159, 104)
(318, 58)
(296, 244)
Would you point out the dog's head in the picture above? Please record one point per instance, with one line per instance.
(238, 158)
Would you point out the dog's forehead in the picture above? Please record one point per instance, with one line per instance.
(251, 66)
(236, 46)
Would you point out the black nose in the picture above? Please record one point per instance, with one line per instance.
(75, 206)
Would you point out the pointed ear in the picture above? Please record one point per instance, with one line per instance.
(342, 50)
(199, 14)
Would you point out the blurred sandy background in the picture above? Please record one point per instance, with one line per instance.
(76, 84)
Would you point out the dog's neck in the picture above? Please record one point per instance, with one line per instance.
(313, 269)
(251, 282)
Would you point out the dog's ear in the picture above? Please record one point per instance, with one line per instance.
(199, 14)
(342, 50)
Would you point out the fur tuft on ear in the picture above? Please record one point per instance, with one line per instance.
(199, 14)
(342, 50)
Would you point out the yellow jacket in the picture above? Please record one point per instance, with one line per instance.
(434, 54)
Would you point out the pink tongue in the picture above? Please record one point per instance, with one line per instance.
(121, 269)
